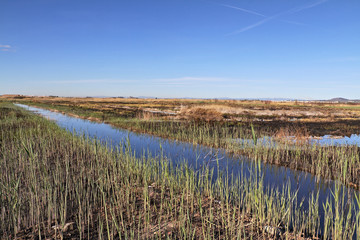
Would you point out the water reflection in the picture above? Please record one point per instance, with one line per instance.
(196, 156)
(326, 140)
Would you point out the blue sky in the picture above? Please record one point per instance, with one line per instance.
(307, 49)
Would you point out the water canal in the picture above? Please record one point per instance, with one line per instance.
(305, 184)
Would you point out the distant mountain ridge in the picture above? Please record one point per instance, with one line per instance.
(343, 100)
(339, 99)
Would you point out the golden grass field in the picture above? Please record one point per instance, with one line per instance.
(319, 118)
(230, 109)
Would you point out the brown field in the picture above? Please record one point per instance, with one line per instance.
(318, 118)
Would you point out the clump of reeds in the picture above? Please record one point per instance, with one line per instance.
(146, 116)
(201, 114)
(293, 134)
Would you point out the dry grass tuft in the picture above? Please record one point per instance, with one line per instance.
(298, 133)
(201, 114)
(145, 115)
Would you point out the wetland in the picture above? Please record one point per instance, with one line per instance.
(250, 189)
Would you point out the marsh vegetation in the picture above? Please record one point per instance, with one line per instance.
(204, 122)
(57, 185)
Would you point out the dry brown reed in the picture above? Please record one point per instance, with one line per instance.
(201, 114)
(293, 134)
(146, 116)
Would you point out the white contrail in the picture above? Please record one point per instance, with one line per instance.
(295, 10)
(291, 11)
(254, 25)
(244, 10)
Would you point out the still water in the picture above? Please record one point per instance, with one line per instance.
(196, 156)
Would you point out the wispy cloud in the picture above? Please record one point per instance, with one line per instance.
(288, 12)
(258, 14)
(243, 10)
(217, 81)
(244, 29)
(298, 9)
(5, 48)
(204, 81)
(88, 81)
(172, 83)
(189, 80)
(180, 81)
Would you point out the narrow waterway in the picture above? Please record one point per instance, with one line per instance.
(179, 152)
(327, 140)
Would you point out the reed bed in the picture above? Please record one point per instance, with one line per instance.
(330, 162)
(54, 185)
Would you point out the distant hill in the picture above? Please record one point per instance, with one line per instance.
(344, 100)
(339, 99)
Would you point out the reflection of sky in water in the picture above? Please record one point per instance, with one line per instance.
(194, 155)
(328, 140)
